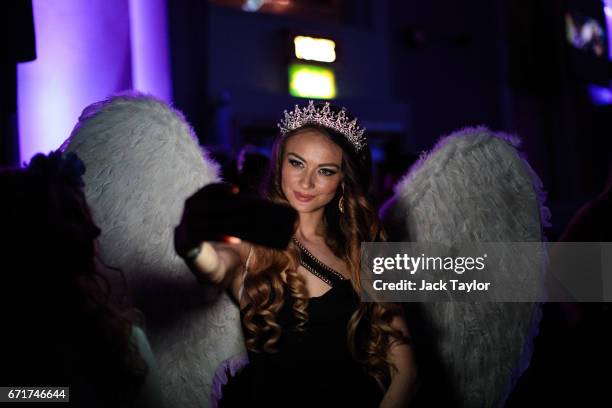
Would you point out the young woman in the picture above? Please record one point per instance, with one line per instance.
(311, 342)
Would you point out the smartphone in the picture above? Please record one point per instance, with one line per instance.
(221, 213)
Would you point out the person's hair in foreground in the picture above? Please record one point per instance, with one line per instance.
(60, 327)
(369, 331)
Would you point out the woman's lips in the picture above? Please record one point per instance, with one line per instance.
(303, 197)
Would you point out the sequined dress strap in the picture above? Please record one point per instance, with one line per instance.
(316, 267)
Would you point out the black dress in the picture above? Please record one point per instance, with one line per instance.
(312, 368)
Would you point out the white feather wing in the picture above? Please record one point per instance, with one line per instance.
(473, 187)
(143, 160)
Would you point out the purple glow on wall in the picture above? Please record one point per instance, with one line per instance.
(83, 50)
(86, 51)
(608, 16)
(150, 52)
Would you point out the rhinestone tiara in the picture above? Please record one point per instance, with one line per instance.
(324, 116)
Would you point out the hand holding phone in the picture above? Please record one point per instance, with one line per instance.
(218, 211)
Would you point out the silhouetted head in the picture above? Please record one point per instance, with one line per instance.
(48, 231)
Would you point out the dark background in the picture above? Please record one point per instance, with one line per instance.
(412, 71)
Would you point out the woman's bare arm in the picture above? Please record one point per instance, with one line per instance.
(403, 378)
(222, 264)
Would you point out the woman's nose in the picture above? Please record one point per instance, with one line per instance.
(307, 179)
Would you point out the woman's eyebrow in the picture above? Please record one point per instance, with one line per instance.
(320, 165)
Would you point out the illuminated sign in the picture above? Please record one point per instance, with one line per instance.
(312, 81)
(315, 49)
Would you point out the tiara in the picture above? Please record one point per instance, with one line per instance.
(324, 117)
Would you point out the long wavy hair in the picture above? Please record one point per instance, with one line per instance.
(62, 327)
(369, 332)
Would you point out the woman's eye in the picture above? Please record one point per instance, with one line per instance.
(327, 172)
(295, 163)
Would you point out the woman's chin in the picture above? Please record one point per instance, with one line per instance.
(304, 207)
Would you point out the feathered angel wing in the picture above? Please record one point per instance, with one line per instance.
(472, 187)
(143, 161)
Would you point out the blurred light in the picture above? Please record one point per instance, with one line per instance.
(608, 16)
(315, 49)
(600, 95)
(252, 5)
(378, 154)
(228, 239)
(83, 55)
(311, 81)
(85, 52)
(150, 50)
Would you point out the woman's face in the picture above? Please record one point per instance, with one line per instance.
(311, 170)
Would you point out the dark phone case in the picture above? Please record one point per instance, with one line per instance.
(249, 218)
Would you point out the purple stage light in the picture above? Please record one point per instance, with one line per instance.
(600, 95)
(608, 16)
(150, 51)
(83, 53)
(86, 51)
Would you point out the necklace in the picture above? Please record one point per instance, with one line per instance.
(316, 267)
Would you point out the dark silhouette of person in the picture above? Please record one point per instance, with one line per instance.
(60, 327)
